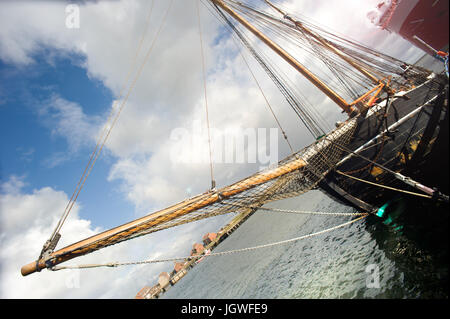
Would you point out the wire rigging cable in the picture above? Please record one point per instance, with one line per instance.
(213, 182)
(257, 83)
(302, 112)
(114, 114)
(368, 59)
(294, 34)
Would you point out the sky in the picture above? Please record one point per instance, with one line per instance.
(60, 79)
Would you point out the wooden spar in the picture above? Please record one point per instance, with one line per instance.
(372, 99)
(119, 233)
(288, 58)
(327, 44)
(362, 97)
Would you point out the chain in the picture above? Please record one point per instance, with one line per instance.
(116, 264)
(298, 211)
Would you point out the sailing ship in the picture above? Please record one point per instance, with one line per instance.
(397, 123)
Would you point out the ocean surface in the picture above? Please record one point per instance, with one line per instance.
(366, 259)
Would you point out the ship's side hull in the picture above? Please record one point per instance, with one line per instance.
(415, 146)
(418, 148)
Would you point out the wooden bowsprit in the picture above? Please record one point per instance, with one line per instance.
(128, 230)
(299, 173)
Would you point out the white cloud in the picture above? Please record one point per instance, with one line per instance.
(13, 185)
(67, 119)
(26, 222)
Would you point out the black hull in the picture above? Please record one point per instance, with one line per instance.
(417, 148)
(412, 229)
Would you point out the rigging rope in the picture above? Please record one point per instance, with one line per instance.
(304, 212)
(282, 242)
(368, 59)
(213, 182)
(263, 95)
(102, 135)
(292, 33)
(106, 131)
(293, 101)
(268, 104)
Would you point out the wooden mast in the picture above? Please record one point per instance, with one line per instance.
(351, 111)
(327, 45)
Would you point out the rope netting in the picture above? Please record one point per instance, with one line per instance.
(291, 177)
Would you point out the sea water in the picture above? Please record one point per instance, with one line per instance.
(366, 259)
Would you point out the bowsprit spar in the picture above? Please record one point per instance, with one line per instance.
(357, 79)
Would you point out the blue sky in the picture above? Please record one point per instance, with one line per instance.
(29, 147)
